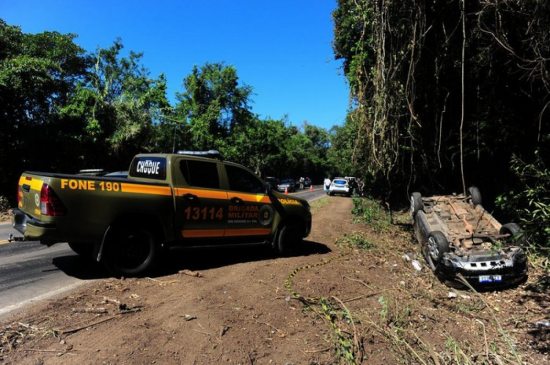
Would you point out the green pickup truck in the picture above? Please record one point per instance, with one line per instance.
(185, 199)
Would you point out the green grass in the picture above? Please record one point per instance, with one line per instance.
(355, 240)
(371, 212)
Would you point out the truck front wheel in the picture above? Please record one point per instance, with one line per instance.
(131, 251)
(288, 239)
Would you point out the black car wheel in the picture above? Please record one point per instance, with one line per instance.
(131, 251)
(436, 247)
(475, 195)
(288, 238)
(416, 203)
(513, 230)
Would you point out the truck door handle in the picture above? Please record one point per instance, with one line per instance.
(190, 197)
(236, 201)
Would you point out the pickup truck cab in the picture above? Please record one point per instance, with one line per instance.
(167, 200)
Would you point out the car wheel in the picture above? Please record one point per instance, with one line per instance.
(436, 247)
(416, 203)
(513, 230)
(131, 251)
(82, 249)
(475, 195)
(288, 239)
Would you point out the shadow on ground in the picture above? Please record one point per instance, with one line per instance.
(187, 258)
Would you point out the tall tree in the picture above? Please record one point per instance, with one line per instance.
(213, 104)
(37, 77)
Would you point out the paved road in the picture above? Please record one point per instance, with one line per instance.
(30, 272)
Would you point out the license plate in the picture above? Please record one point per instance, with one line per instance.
(490, 278)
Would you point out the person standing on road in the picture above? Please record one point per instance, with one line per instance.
(302, 183)
(327, 184)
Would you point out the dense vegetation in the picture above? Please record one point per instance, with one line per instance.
(443, 95)
(448, 94)
(63, 109)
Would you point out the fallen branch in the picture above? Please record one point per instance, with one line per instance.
(74, 330)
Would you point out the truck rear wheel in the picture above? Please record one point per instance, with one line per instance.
(131, 251)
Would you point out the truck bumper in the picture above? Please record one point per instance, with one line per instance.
(31, 228)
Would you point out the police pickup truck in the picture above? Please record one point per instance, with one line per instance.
(191, 198)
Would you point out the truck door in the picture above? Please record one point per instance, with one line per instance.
(201, 206)
(249, 213)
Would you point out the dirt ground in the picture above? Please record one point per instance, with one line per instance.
(351, 295)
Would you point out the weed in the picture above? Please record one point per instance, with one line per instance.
(370, 211)
(355, 239)
(319, 203)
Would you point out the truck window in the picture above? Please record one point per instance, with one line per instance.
(243, 181)
(200, 173)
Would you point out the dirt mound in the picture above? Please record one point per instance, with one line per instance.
(350, 295)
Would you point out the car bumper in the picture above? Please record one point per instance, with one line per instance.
(496, 270)
(337, 190)
(31, 228)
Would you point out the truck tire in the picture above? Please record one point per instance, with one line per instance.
(82, 249)
(475, 195)
(436, 247)
(416, 203)
(288, 239)
(131, 251)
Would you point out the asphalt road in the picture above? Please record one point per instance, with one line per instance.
(30, 272)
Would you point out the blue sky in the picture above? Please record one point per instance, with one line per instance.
(282, 48)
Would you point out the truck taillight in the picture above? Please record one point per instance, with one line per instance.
(50, 203)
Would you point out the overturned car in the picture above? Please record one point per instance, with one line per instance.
(458, 236)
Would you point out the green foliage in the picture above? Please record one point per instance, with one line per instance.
(100, 109)
(403, 61)
(368, 210)
(355, 240)
(530, 205)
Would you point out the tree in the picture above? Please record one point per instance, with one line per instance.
(213, 105)
(37, 77)
(118, 105)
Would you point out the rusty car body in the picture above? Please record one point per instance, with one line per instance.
(461, 240)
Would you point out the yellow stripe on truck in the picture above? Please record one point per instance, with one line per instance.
(202, 193)
(145, 189)
(230, 232)
(34, 183)
(251, 198)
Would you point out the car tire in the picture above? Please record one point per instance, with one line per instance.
(416, 203)
(436, 246)
(288, 239)
(131, 251)
(84, 250)
(513, 229)
(475, 195)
